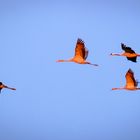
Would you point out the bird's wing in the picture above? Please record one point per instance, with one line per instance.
(133, 59)
(130, 80)
(80, 49)
(127, 49)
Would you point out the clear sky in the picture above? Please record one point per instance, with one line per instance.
(68, 101)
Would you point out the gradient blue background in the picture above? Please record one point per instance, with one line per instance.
(68, 101)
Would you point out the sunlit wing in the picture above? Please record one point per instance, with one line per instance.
(130, 80)
(80, 49)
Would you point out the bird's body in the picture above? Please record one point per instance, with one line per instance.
(131, 83)
(4, 86)
(81, 54)
(128, 53)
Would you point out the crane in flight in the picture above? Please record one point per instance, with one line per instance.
(128, 53)
(4, 86)
(131, 83)
(81, 54)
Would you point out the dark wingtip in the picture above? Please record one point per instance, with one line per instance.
(130, 70)
(123, 46)
(80, 40)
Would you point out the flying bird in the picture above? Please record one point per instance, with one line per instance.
(4, 86)
(81, 54)
(131, 83)
(128, 52)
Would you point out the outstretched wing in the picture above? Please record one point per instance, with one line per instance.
(129, 50)
(80, 49)
(130, 80)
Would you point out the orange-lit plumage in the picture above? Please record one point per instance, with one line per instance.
(131, 83)
(81, 54)
(128, 53)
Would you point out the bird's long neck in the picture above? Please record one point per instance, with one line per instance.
(9, 87)
(115, 54)
(118, 88)
(61, 60)
(4, 86)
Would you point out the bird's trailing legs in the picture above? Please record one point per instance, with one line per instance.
(91, 64)
(72, 60)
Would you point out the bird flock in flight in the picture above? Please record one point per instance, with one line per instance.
(81, 54)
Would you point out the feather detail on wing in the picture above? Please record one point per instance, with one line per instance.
(127, 49)
(130, 80)
(80, 49)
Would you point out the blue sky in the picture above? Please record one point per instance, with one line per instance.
(68, 101)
